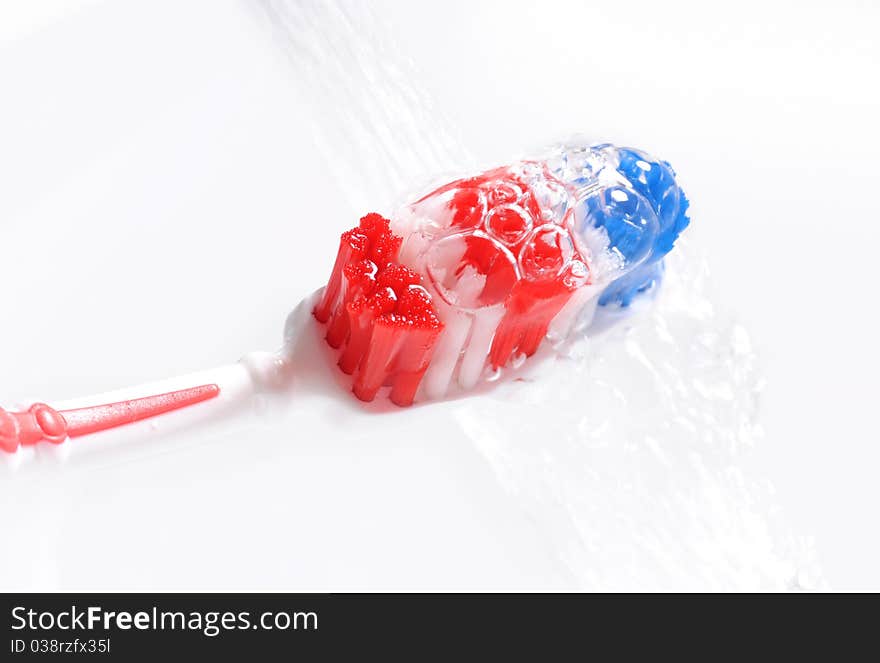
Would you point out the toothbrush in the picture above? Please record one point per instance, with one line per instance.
(476, 275)
(43, 423)
(467, 281)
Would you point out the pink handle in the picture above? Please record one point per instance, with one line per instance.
(41, 422)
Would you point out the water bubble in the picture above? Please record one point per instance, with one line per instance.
(503, 193)
(547, 252)
(471, 270)
(508, 223)
(626, 217)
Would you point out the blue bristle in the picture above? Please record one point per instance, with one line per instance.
(655, 181)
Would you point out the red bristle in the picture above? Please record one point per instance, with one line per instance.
(384, 245)
(352, 247)
(377, 311)
(550, 275)
(405, 385)
(415, 352)
(378, 358)
(374, 224)
(360, 278)
(386, 322)
(360, 323)
(399, 352)
(385, 249)
(537, 330)
(361, 314)
(506, 340)
(531, 307)
(338, 328)
(484, 255)
(359, 281)
(397, 277)
(416, 305)
(467, 208)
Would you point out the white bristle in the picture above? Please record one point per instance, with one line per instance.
(485, 323)
(447, 351)
(582, 303)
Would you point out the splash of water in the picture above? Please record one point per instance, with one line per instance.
(375, 126)
(633, 452)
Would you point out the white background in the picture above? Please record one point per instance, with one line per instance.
(159, 160)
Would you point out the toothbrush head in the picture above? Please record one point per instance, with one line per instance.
(378, 312)
(479, 273)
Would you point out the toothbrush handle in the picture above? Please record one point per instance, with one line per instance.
(39, 422)
(43, 423)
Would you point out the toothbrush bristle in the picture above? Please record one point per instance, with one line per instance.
(379, 314)
(480, 271)
(530, 309)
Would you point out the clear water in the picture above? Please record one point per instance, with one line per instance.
(634, 452)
